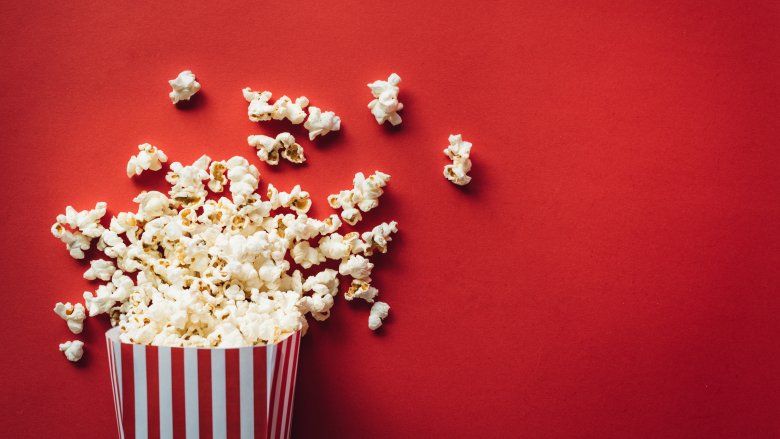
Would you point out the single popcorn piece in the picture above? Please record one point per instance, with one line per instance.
(364, 196)
(378, 237)
(184, 87)
(76, 229)
(385, 106)
(260, 109)
(269, 149)
(361, 290)
(379, 312)
(356, 266)
(149, 158)
(320, 123)
(305, 255)
(100, 269)
(74, 315)
(73, 350)
(458, 151)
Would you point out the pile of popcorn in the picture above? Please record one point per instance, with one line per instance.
(195, 267)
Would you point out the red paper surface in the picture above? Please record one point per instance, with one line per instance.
(610, 272)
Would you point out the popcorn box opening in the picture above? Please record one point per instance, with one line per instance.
(178, 392)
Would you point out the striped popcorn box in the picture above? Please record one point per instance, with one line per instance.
(169, 392)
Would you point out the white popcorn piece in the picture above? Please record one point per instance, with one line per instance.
(74, 315)
(297, 199)
(356, 266)
(76, 229)
(101, 302)
(188, 188)
(217, 176)
(260, 109)
(385, 106)
(336, 246)
(361, 290)
(378, 237)
(184, 87)
(305, 255)
(320, 123)
(100, 269)
(269, 149)
(73, 350)
(364, 196)
(458, 151)
(285, 108)
(149, 158)
(379, 312)
(243, 178)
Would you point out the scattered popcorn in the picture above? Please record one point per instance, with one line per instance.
(74, 315)
(458, 151)
(269, 149)
(149, 158)
(81, 228)
(320, 123)
(378, 313)
(284, 108)
(100, 269)
(386, 106)
(184, 87)
(73, 350)
(363, 196)
(187, 270)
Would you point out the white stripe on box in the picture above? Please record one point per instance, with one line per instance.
(291, 379)
(218, 398)
(139, 378)
(114, 390)
(270, 356)
(118, 361)
(191, 393)
(166, 392)
(247, 392)
(288, 387)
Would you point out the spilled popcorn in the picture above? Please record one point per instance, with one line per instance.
(184, 87)
(186, 269)
(458, 151)
(385, 106)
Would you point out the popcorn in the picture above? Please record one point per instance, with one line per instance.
(386, 106)
(356, 266)
(305, 255)
(458, 151)
(269, 149)
(188, 270)
(100, 269)
(74, 315)
(361, 290)
(364, 196)
(82, 227)
(284, 108)
(378, 313)
(73, 350)
(378, 237)
(184, 87)
(149, 158)
(320, 123)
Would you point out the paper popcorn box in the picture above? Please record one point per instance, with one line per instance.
(168, 392)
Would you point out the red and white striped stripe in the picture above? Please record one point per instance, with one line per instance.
(168, 393)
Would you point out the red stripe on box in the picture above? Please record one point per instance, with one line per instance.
(293, 379)
(281, 387)
(274, 405)
(204, 393)
(232, 394)
(260, 379)
(177, 389)
(128, 391)
(152, 392)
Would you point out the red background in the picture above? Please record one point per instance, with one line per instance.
(610, 272)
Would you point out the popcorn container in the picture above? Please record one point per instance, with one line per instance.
(171, 392)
